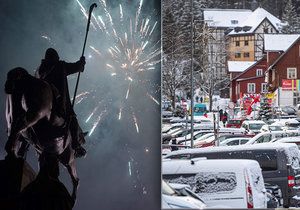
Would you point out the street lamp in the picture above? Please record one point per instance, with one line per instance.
(192, 75)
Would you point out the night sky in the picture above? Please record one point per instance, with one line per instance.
(106, 180)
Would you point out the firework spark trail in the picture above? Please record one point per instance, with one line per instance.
(97, 122)
(135, 122)
(138, 14)
(85, 14)
(91, 115)
(129, 168)
(82, 94)
(120, 113)
(121, 13)
(103, 3)
(95, 50)
(127, 93)
(109, 66)
(79, 101)
(153, 28)
(46, 37)
(156, 101)
(97, 22)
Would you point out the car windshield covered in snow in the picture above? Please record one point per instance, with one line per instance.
(206, 182)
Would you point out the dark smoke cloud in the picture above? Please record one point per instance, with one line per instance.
(105, 180)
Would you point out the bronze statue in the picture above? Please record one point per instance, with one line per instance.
(31, 114)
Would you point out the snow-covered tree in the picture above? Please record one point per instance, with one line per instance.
(265, 111)
(178, 42)
(290, 18)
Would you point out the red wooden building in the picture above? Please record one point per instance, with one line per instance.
(283, 54)
(250, 81)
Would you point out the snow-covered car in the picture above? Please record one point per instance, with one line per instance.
(166, 114)
(211, 141)
(175, 199)
(265, 128)
(268, 136)
(295, 139)
(253, 126)
(287, 124)
(279, 163)
(235, 141)
(220, 183)
(200, 133)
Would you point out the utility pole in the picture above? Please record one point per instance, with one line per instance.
(192, 75)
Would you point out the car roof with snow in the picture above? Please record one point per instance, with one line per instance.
(188, 166)
(289, 139)
(261, 146)
(254, 122)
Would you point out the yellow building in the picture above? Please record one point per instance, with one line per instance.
(246, 41)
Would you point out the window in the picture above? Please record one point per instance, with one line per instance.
(246, 55)
(237, 55)
(291, 73)
(234, 142)
(246, 43)
(251, 88)
(206, 182)
(234, 21)
(259, 72)
(266, 30)
(237, 43)
(264, 87)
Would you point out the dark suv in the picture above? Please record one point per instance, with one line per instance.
(279, 163)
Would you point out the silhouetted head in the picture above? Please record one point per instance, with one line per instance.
(51, 55)
(13, 76)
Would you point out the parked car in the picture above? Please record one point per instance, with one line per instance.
(288, 110)
(200, 133)
(234, 123)
(295, 140)
(272, 201)
(253, 126)
(166, 114)
(265, 137)
(211, 141)
(265, 128)
(279, 163)
(276, 199)
(220, 183)
(235, 141)
(287, 124)
(173, 199)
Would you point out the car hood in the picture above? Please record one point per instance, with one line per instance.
(181, 202)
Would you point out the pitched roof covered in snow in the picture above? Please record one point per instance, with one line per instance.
(253, 20)
(239, 66)
(279, 42)
(225, 17)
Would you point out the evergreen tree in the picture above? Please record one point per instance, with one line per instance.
(265, 111)
(290, 18)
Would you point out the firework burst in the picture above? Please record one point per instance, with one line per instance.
(129, 50)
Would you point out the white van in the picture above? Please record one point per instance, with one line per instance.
(220, 183)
